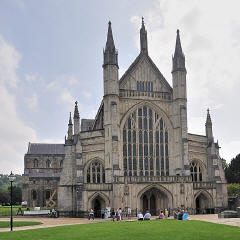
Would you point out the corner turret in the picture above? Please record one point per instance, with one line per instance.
(70, 128)
(76, 118)
(208, 125)
(110, 65)
(110, 54)
(178, 60)
(143, 38)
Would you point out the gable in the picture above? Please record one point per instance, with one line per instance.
(144, 71)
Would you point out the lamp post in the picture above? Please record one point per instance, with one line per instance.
(11, 178)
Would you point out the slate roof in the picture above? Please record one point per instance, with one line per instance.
(45, 148)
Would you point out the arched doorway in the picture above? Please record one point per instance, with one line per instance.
(154, 200)
(153, 209)
(203, 203)
(98, 203)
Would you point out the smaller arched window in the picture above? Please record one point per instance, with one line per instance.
(95, 173)
(35, 163)
(196, 171)
(34, 194)
(48, 163)
(61, 163)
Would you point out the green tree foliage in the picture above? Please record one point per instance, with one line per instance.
(232, 171)
(4, 181)
(5, 189)
(233, 189)
(17, 194)
(4, 197)
(224, 164)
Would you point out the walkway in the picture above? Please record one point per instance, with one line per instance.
(49, 222)
(214, 219)
(54, 222)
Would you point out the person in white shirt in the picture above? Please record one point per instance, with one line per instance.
(120, 214)
(140, 216)
(147, 216)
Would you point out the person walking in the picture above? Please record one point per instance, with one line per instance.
(91, 215)
(166, 213)
(120, 214)
(102, 213)
(113, 213)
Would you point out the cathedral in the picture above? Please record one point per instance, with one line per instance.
(136, 154)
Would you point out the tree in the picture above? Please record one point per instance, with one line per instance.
(233, 189)
(4, 197)
(232, 171)
(224, 164)
(17, 194)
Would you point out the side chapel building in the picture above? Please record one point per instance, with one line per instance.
(136, 153)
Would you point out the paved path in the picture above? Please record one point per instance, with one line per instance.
(54, 222)
(214, 219)
(49, 222)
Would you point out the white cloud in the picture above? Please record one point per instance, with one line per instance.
(67, 97)
(9, 59)
(14, 132)
(86, 94)
(211, 43)
(32, 101)
(31, 77)
(232, 147)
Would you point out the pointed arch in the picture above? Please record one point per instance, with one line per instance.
(202, 202)
(161, 189)
(96, 195)
(156, 108)
(206, 194)
(146, 147)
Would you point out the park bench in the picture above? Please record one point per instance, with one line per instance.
(37, 213)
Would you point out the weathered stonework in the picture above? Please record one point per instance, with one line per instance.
(137, 152)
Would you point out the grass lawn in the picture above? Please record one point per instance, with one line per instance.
(6, 224)
(150, 230)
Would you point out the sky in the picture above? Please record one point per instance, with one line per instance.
(51, 56)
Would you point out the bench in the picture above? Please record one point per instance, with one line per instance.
(36, 213)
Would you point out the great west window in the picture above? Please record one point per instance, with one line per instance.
(145, 144)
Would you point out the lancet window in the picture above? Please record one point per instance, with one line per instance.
(95, 173)
(35, 163)
(144, 86)
(196, 171)
(48, 163)
(145, 144)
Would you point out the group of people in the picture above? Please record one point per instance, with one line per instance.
(117, 214)
(181, 215)
(148, 215)
(114, 214)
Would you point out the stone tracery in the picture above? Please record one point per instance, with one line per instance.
(145, 144)
(95, 173)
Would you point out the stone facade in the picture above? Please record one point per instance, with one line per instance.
(137, 152)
